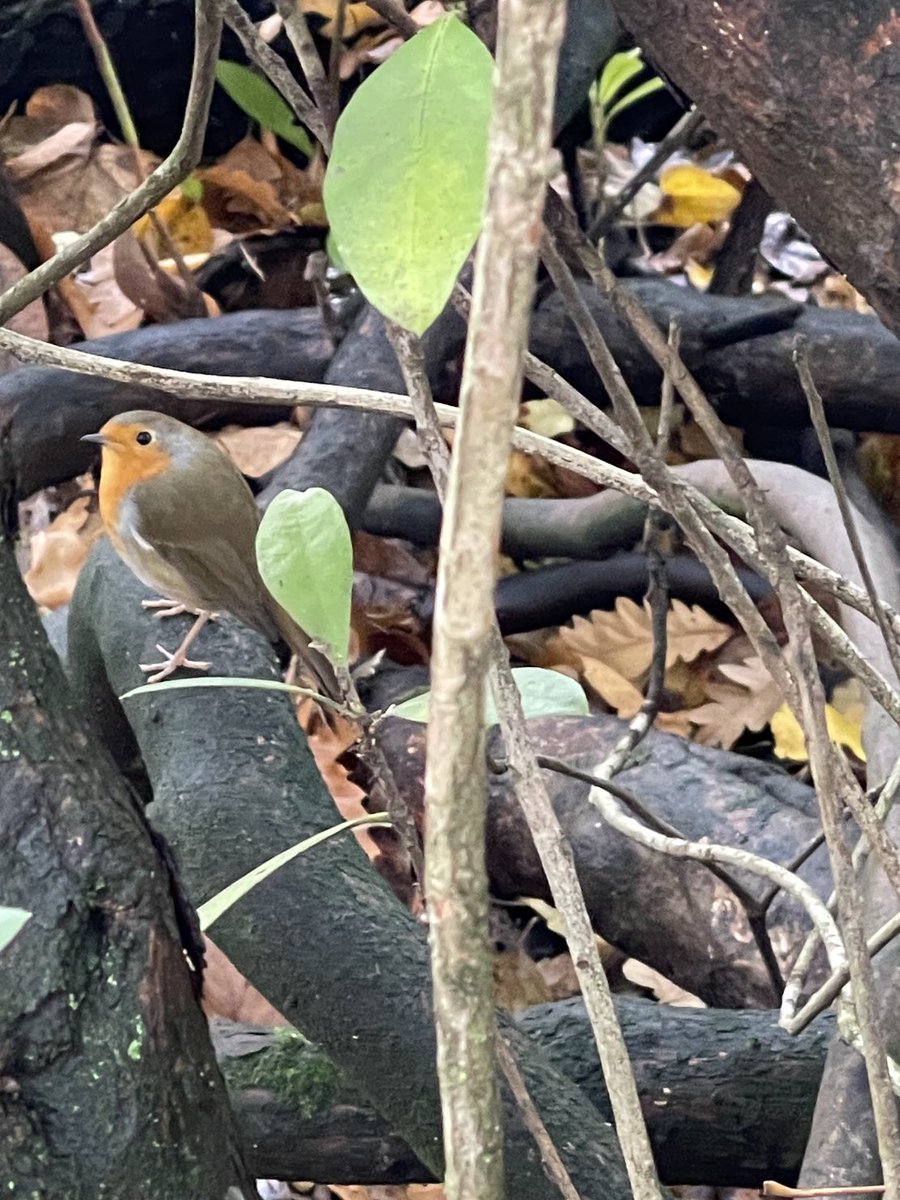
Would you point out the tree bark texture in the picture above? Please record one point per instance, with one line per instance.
(323, 939)
(109, 1085)
(669, 913)
(728, 1096)
(806, 94)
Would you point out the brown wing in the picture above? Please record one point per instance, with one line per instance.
(205, 529)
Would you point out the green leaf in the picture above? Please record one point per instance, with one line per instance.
(222, 901)
(213, 681)
(405, 186)
(642, 90)
(11, 921)
(192, 189)
(305, 557)
(619, 68)
(544, 694)
(260, 101)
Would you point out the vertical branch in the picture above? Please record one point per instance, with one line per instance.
(456, 880)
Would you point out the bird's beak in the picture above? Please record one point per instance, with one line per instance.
(99, 438)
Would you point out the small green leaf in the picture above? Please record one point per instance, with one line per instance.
(642, 90)
(619, 68)
(416, 708)
(192, 189)
(222, 901)
(405, 186)
(305, 557)
(11, 922)
(260, 101)
(544, 694)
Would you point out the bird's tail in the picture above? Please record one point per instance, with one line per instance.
(312, 662)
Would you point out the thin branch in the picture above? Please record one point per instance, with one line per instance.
(673, 141)
(708, 853)
(276, 71)
(553, 1164)
(297, 30)
(184, 157)
(258, 390)
(397, 16)
(820, 425)
(825, 996)
(835, 785)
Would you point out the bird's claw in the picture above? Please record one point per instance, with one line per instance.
(171, 664)
(173, 608)
(167, 608)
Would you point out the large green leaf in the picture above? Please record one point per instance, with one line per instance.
(11, 921)
(259, 100)
(404, 191)
(543, 693)
(305, 557)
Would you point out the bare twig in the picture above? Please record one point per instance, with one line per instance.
(830, 989)
(733, 531)
(673, 140)
(275, 69)
(397, 16)
(834, 784)
(297, 30)
(184, 157)
(820, 425)
(110, 77)
(553, 1164)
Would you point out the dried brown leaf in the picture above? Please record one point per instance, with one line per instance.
(747, 700)
(623, 639)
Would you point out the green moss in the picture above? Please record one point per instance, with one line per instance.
(294, 1070)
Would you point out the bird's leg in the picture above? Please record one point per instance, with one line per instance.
(172, 661)
(173, 608)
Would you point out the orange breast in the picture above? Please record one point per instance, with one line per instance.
(120, 472)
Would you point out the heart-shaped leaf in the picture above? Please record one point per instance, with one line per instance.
(305, 557)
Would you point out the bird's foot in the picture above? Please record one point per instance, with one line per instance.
(167, 608)
(173, 608)
(172, 662)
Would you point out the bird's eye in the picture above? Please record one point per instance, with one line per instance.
(144, 438)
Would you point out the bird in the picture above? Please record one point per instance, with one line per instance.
(181, 516)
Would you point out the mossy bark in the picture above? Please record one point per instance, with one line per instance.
(108, 1083)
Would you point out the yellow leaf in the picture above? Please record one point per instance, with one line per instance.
(546, 417)
(691, 195)
(356, 16)
(790, 742)
(187, 224)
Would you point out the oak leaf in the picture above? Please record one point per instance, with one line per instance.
(747, 700)
(623, 639)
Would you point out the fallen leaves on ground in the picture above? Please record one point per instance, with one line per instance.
(227, 993)
(747, 699)
(623, 639)
(65, 179)
(257, 449)
(692, 194)
(58, 552)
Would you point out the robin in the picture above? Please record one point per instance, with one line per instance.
(181, 516)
